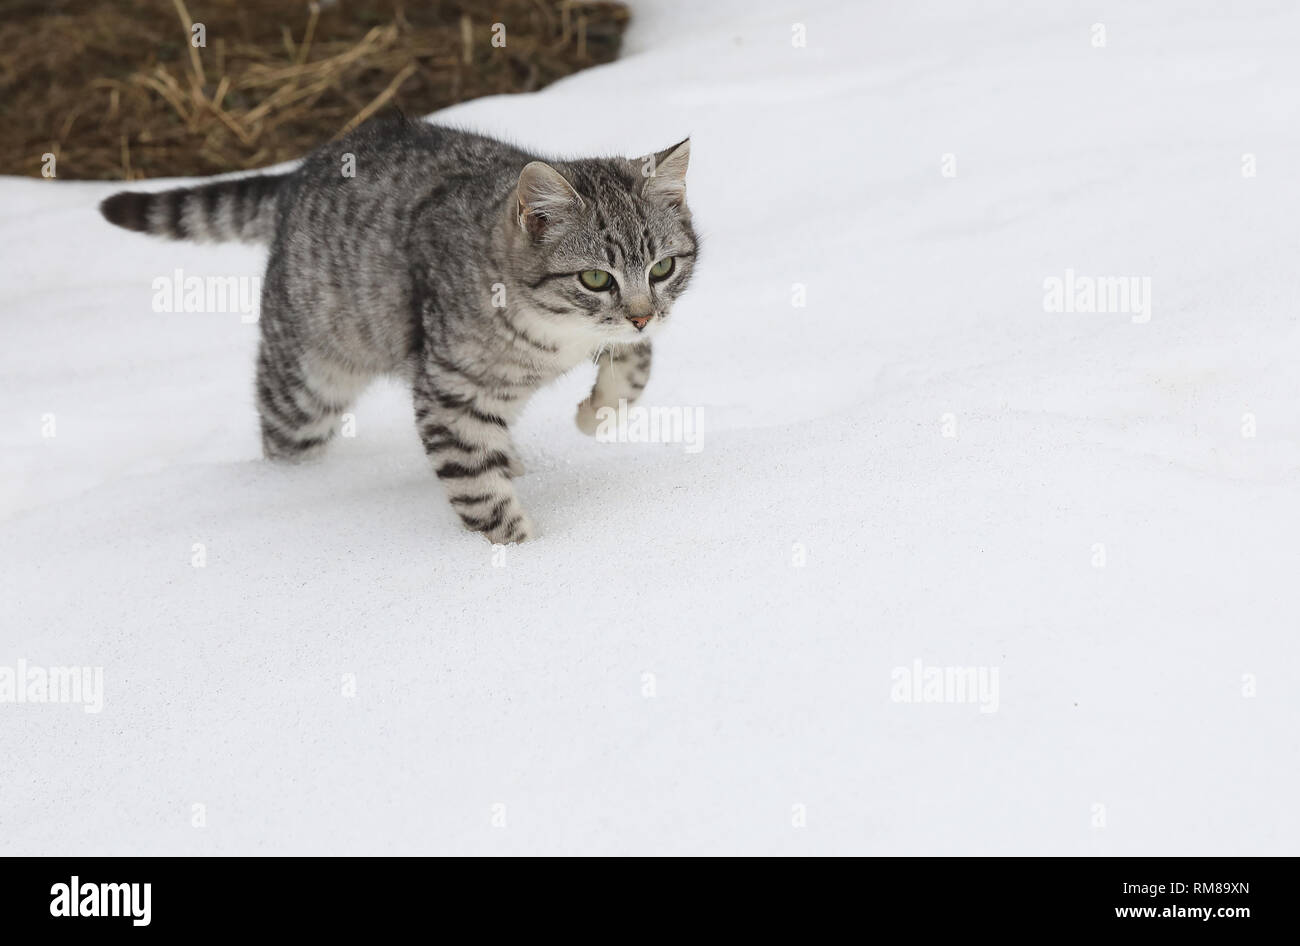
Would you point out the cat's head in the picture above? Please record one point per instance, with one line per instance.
(605, 246)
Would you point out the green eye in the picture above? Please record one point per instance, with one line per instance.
(596, 280)
(663, 269)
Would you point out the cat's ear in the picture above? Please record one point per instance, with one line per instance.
(544, 197)
(667, 180)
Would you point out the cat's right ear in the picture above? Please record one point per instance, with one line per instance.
(666, 178)
(545, 197)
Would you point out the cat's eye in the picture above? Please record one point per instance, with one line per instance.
(597, 280)
(664, 268)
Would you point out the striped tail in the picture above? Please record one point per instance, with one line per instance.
(241, 209)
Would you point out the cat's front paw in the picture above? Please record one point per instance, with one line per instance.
(518, 528)
(587, 420)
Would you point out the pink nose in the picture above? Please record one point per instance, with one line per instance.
(640, 321)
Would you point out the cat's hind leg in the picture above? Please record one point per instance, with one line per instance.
(301, 399)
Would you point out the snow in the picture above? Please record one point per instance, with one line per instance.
(1147, 706)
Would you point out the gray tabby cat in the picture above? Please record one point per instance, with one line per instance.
(474, 269)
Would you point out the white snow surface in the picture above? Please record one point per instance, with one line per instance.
(1148, 706)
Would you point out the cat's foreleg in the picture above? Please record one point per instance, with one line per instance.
(466, 436)
(622, 376)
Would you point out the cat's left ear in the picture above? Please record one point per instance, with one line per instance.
(544, 198)
(667, 179)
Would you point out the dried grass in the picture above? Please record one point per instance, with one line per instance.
(118, 92)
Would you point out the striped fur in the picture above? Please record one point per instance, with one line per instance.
(453, 260)
(241, 209)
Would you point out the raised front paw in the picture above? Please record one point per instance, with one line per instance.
(587, 420)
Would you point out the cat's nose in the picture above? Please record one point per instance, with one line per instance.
(640, 321)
